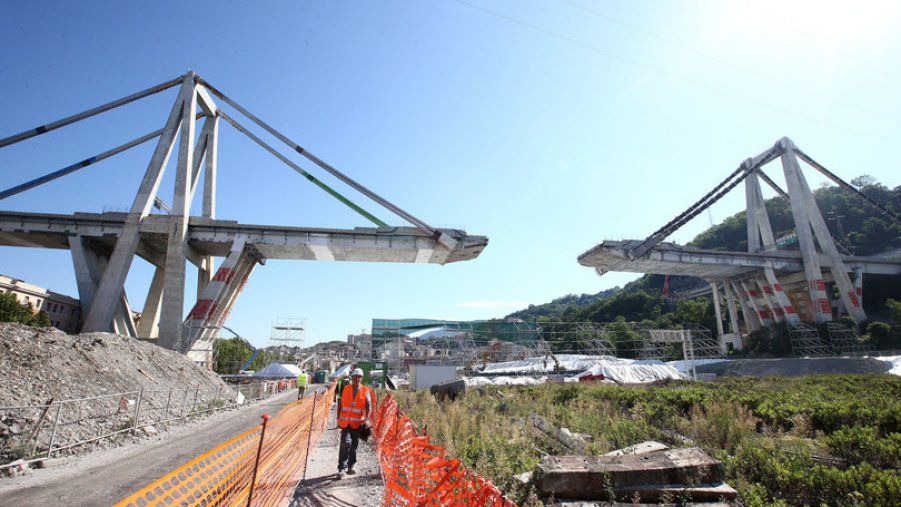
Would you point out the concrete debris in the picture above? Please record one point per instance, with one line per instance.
(562, 436)
(40, 364)
(642, 448)
(643, 473)
(449, 390)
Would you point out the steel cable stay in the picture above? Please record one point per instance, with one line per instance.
(43, 129)
(840, 182)
(80, 165)
(203, 83)
(739, 175)
(300, 170)
(322, 164)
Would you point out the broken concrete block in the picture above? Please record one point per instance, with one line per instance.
(651, 475)
(642, 448)
(450, 389)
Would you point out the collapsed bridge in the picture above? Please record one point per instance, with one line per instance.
(754, 281)
(103, 246)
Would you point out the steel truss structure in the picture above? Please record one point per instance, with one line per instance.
(462, 343)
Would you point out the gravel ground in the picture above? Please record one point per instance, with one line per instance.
(320, 488)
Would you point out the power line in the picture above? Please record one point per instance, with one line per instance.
(671, 75)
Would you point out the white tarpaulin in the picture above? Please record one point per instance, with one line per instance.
(629, 371)
(278, 371)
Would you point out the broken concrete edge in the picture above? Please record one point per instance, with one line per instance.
(640, 448)
(651, 475)
(664, 492)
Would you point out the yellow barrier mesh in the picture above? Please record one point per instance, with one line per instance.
(224, 475)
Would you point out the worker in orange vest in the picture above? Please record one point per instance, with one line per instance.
(354, 406)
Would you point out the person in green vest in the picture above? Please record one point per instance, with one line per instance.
(342, 383)
(301, 384)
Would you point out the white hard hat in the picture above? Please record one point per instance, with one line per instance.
(357, 372)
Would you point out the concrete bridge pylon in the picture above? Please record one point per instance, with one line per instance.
(103, 246)
(754, 280)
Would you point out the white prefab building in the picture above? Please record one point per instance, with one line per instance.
(424, 376)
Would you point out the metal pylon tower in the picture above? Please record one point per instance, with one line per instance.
(103, 246)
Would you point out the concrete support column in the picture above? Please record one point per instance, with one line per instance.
(781, 298)
(107, 299)
(768, 300)
(858, 286)
(747, 307)
(733, 313)
(87, 272)
(150, 317)
(812, 270)
(715, 292)
(172, 311)
(762, 313)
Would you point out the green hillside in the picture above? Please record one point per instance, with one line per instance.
(859, 228)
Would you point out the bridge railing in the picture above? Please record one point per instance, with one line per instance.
(37, 432)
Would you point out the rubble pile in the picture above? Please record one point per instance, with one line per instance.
(41, 365)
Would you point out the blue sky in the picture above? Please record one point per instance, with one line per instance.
(547, 126)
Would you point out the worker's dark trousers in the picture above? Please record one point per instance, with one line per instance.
(347, 448)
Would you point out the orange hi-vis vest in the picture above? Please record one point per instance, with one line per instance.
(353, 408)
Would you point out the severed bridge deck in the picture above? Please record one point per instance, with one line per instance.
(716, 265)
(210, 237)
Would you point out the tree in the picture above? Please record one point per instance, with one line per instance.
(864, 180)
(231, 354)
(40, 319)
(11, 310)
(692, 310)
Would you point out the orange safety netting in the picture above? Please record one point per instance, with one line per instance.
(417, 473)
(225, 475)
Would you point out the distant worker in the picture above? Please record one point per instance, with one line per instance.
(342, 381)
(354, 406)
(301, 383)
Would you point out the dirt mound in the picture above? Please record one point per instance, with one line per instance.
(795, 367)
(40, 364)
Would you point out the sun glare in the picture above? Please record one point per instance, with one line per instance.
(832, 21)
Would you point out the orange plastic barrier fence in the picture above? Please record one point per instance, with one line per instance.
(417, 473)
(225, 475)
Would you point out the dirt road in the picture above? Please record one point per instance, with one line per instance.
(107, 477)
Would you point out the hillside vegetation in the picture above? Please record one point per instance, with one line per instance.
(820, 440)
(859, 229)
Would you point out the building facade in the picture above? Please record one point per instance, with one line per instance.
(64, 311)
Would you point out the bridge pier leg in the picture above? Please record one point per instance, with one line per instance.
(733, 313)
(148, 327)
(756, 319)
(172, 312)
(87, 272)
(103, 309)
(715, 292)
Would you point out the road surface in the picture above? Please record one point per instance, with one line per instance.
(105, 477)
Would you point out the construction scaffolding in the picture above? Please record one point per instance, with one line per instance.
(287, 332)
(844, 339)
(405, 341)
(806, 341)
